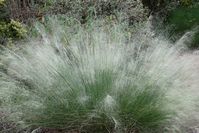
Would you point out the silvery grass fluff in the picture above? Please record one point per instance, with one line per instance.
(98, 79)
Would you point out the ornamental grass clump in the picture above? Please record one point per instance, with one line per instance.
(100, 82)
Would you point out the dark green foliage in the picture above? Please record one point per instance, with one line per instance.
(4, 12)
(154, 5)
(186, 2)
(185, 19)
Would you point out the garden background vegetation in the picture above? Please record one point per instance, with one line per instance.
(17, 16)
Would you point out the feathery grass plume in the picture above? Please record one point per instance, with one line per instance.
(99, 82)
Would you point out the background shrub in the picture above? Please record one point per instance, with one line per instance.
(25, 11)
(186, 2)
(11, 30)
(184, 19)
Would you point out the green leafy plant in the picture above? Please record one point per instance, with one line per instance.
(16, 29)
(11, 30)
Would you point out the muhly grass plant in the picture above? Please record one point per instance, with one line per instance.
(102, 81)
